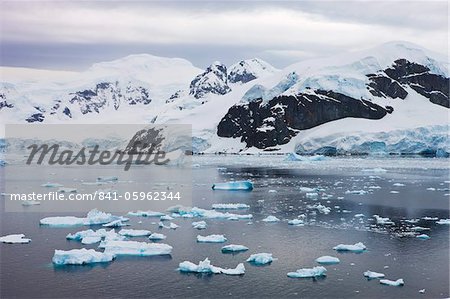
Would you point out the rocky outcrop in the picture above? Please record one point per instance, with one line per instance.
(213, 80)
(247, 70)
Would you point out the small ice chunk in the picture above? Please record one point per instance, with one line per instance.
(14, 239)
(296, 157)
(443, 221)
(51, 185)
(273, 191)
(394, 192)
(135, 248)
(327, 260)
(423, 237)
(307, 189)
(199, 224)
(134, 232)
(230, 206)
(238, 185)
(395, 283)
(430, 218)
(146, 213)
(359, 215)
(419, 228)
(357, 248)
(374, 170)
(107, 179)
(234, 248)
(115, 223)
(297, 222)
(383, 220)
(373, 275)
(80, 257)
(156, 237)
(170, 226)
(210, 214)
(398, 185)
(206, 267)
(67, 190)
(166, 218)
(412, 221)
(321, 208)
(211, 239)
(311, 194)
(90, 236)
(308, 272)
(431, 189)
(357, 192)
(271, 219)
(260, 258)
(422, 291)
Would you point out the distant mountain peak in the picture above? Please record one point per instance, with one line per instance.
(250, 69)
(212, 81)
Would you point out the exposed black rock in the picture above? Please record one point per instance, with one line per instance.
(383, 86)
(213, 80)
(36, 117)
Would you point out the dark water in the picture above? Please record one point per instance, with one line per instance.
(26, 269)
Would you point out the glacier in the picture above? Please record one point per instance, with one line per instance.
(308, 273)
(80, 257)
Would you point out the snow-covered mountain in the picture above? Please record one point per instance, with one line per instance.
(250, 106)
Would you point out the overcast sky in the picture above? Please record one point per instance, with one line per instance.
(73, 35)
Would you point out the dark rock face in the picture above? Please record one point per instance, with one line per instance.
(274, 123)
(93, 100)
(4, 103)
(241, 75)
(388, 83)
(36, 117)
(213, 80)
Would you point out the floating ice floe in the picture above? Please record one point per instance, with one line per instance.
(135, 248)
(308, 273)
(199, 224)
(357, 248)
(146, 213)
(238, 185)
(260, 258)
(206, 267)
(107, 179)
(423, 237)
(308, 189)
(210, 214)
(234, 248)
(357, 192)
(296, 157)
(328, 260)
(230, 206)
(395, 283)
(211, 239)
(359, 215)
(272, 191)
(31, 203)
(15, 239)
(270, 219)
(67, 190)
(394, 192)
(373, 275)
(321, 208)
(51, 185)
(398, 185)
(91, 237)
(419, 228)
(443, 221)
(156, 237)
(166, 218)
(412, 221)
(80, 257)
(430, 218)
(296, 222)
(170, 226)
(94, 217)
(115, 223)
(312, 195)
(383, 220)
(431, 189)
(134, 232)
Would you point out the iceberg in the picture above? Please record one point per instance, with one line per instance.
(327, 260)
(156, 237)
(146, 214)
(321, 208)
(271, 219)
(311, 194)
(166, 218)
(357, 248)
(135, 248)
(91, 237)
(14, 239)
(67, 190)
(394, 283)
(383, 220)
(423, 237)
(419, 228)
(170, 226)
(356, 192)
(211, 239)
(80, 257)
(233, 248)
(296, 157)
(308, 273)
(210, 214)
(307, 189)
(443, 221)
(115, 223)
(373, 275)
(297, 222)
(206, 267)
(234, 186)
(51, 185)
(199, 224)
(260, 258)
(230, 206)
(107, 179)
(134, 232)
(94, 217)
